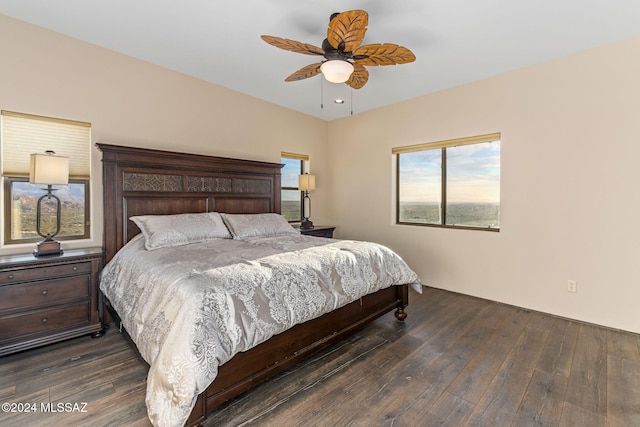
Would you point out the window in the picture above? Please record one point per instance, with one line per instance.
(23, 134)
(453, 183)
(291, 198)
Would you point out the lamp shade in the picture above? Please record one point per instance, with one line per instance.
(337, 70)
(306, 182)
(49, 169)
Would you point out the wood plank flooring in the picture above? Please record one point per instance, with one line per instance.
(456, 361)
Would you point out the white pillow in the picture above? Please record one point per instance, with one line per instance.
(243, 226)
(162, 231)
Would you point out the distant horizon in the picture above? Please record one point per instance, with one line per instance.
(450, 203)
(73, 192)
(472, 214)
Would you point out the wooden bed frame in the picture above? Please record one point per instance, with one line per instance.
(140, 181)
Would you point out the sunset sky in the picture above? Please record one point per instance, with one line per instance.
(473, 174)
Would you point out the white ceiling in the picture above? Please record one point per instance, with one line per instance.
(455, 41)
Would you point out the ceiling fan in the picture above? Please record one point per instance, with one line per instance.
(344, 57)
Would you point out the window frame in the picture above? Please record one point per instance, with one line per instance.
(442, 146)
(8, 212)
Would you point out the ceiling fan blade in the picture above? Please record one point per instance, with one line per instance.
(346, 30)
(383, 54)
(304, 73)
(293, 45)
(359, 77)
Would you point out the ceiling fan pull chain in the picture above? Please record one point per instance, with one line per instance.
(351, 101)
(321, 94)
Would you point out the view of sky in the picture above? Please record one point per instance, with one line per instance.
(473, 174)
(71, 192)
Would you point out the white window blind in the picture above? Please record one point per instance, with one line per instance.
(303, 157)
(448, 143)
(24, 134)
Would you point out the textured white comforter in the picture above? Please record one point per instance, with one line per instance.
(191, 308)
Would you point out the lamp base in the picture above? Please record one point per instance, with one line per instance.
(47, 247)
(306, 224)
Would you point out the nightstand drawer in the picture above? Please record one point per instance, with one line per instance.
(44, 320)
(45, 292)
(23, 275)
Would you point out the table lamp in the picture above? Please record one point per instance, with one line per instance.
(306, 183)
(48, 169)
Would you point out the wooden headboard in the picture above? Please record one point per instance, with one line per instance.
(140, 181)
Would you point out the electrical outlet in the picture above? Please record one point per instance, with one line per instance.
(572, 286)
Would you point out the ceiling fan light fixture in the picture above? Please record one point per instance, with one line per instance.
(345, 56)
(337, 70)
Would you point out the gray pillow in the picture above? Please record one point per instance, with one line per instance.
(243, 226)
(162, 231)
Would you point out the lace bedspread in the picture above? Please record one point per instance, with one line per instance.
(189, 309)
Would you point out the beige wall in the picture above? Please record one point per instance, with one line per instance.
(569, 185)
(131, 102)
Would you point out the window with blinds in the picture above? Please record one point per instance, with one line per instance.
(24, 134)
(453, 183)
(291, 197)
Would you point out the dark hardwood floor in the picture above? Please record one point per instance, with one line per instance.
(456, 361)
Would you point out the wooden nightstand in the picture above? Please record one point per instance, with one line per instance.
(48, 299)
(318, 231)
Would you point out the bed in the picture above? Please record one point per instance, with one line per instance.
(228, 209)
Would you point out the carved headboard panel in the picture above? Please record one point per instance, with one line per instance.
(140, 181)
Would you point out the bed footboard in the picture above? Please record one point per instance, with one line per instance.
(284, 350)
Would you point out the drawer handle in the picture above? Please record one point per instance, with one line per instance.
(75, 268)
(10, 276)
(45, 320)
(45, 292)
